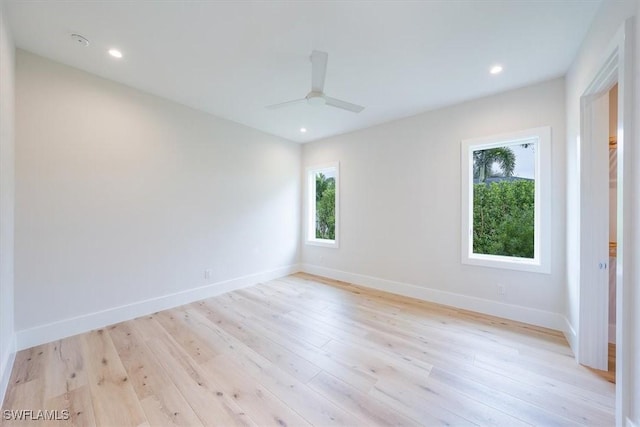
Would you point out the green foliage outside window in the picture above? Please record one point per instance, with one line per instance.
(325, 207)
(503, 218)
(484, 160)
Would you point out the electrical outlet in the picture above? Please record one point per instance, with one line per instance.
(208, 273)
(502, 290)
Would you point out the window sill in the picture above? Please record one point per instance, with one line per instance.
(323, 242)
(509, 263)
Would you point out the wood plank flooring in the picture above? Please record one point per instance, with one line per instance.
(304, 350)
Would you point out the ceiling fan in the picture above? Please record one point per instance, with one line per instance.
(317, 96)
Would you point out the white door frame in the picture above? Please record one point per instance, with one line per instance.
(616, 67)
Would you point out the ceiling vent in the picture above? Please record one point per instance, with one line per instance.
(81, 40)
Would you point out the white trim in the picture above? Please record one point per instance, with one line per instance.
(541, 262)
(594, 211)
(627, 123)
(64, 328)
(309, 206)
(323, 242)
(10, 357)
(518, 313)
(630, 423)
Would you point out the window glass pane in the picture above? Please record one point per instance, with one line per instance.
(325, 205)
(504, 200)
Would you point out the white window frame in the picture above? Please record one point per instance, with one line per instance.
(311, 205)
(541, 262)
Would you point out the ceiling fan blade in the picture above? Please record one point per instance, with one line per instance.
(343, 104)
(318, 70)
(286, 104)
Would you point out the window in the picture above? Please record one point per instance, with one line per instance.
(322, 206)
(506, 200)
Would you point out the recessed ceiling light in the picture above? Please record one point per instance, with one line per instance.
(303, 130)
(496, 69)
(115, 53)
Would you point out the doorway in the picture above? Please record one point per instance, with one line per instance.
(594, 270)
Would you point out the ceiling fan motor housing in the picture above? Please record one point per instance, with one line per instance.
(316, 98)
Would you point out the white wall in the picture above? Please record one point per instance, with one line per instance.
(7, 335)
(400, 206)
(607, 22)
(123, 197)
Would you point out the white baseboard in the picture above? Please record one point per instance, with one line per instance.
(7, 367)
(571, 335)
(518, 313)
(65, 328)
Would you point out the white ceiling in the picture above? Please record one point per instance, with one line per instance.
(233, 58)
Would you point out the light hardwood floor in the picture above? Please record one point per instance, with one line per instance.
(303, 350)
